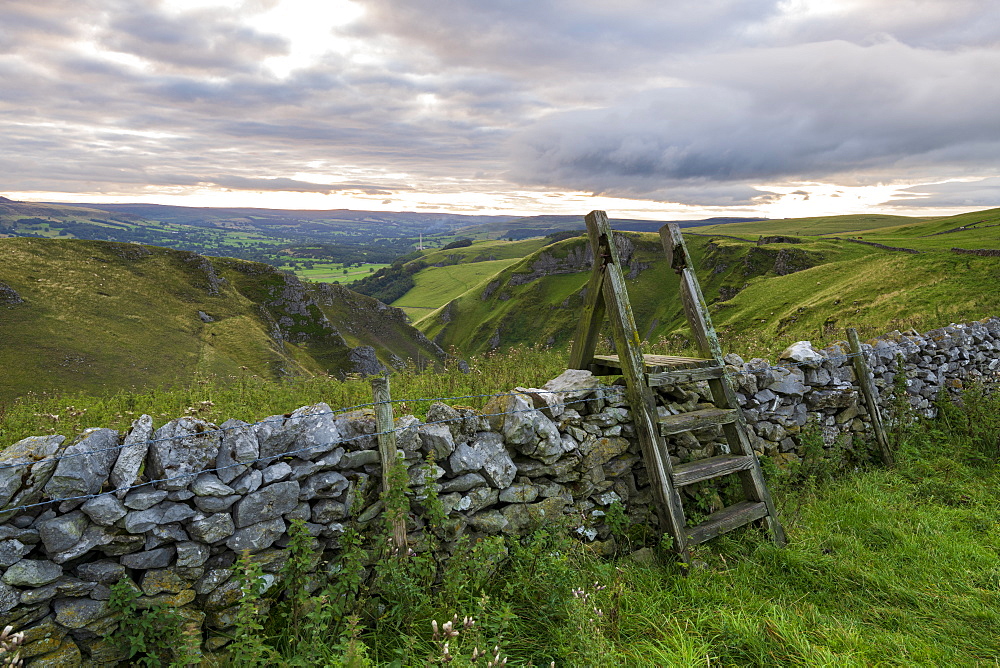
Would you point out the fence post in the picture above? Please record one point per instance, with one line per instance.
(864, 375)
(387, 448)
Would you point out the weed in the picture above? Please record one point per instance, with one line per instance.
(155, 636)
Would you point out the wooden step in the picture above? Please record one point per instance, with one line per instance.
(692, 420)
(725, 520)
(707, 469)
(661, 369)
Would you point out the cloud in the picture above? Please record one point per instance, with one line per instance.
(960, 194)
(291, 185)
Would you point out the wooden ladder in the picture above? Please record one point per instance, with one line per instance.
(606, 295)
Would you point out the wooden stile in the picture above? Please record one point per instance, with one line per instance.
(607, 295)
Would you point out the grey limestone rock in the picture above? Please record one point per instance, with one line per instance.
(248, 482)
(306, 432)
(12, 551)
(208, 484)
(788, 381)
(325, 485)
(477, 499)
(256, 537)
(94, 536)
(32, 573)
(144, 498)
(83, 467)
(104, 510)
(487, 456)
(407, 434)
(327, 510)
(60, 533)
(141, 521)
(211, 580)
(463, 483)
(212, 528)
(158, 558)
(76, 613)
(437, 438)
(9, 597)
(489, 522)
(519, 493)
(104, 571)
(571, 385)
(181, 449)
(359, 458)
(267, 503)
(238, 449)
(191, 554)
(132, 455)
(216, 504)
(276, 472)
(25, 468)
(803, 354)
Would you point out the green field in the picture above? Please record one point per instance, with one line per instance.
(439, 285)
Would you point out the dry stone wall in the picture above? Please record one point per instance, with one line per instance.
(170, 508)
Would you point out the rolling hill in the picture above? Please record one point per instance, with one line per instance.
(768, 287)
(96, 316)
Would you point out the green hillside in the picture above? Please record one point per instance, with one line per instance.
(98, 316)
(764, 295)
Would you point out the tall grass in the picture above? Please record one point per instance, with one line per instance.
(249, 397)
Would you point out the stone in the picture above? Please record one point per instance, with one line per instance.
(477, 499)
(256, 537)
(248, 482)
(60, 533)
(268, 503)
(83, 467)
(67, 656)
(208, 484)
(105, 572)
(92, 537)
(212, 529)
(276, 473)
(443, 414)
(238, 449)
(572, 385)
(211, 580)
(788, 381)
(76, 613)
(166, 600)
(44, 637)
(32, 573)
(224, 595)
(306, 432)
(489, 521)
(598, 451)
(181, 449)
(407, 434)
(104, 510)
(167, 512)
(161, 580)
(158, 558)
(180, 495)
(487, 456)
(301, 512)
(463, 483)
(803, 354)
(823, 399)
(325, 485)
(327, 510)
(437, 438)
(12, 551)
(131, 456)
(519, 493)
(359, 458)
(25, 468)
(144, 498)
(191, 554)
(215, 504)
(357, 429)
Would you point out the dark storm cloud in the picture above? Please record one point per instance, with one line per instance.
(672, 101)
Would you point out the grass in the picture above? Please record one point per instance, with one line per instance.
(251, 397)
(439, 285)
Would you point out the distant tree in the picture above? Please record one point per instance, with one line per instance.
(345, 272)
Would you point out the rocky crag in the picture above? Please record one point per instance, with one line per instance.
(169, 509)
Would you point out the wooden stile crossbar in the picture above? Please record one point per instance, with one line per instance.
(606, 296)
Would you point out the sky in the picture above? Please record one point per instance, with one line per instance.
(644, 108)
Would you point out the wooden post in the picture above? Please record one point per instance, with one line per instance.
(864, 375)
(387, 447)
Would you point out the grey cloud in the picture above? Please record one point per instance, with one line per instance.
(833, 111)
(979, 193)
(291, 185)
